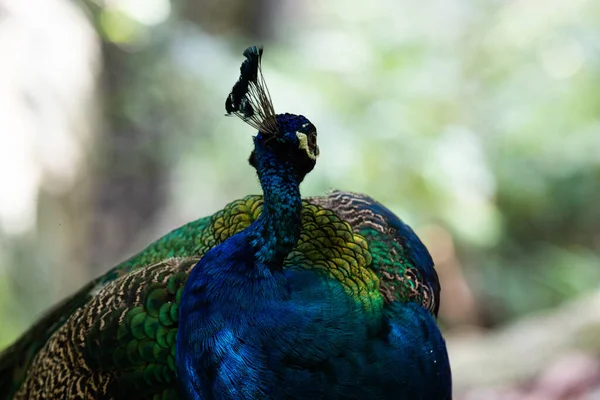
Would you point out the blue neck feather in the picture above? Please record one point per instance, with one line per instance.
(275, 233)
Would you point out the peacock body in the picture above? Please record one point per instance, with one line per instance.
(274, 296)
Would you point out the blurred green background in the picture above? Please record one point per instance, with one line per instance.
(477, 122)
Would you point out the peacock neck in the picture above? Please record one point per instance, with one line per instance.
(275, 233)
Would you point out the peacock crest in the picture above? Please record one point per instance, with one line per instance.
(250, 98)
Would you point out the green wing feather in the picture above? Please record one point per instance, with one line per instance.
(116, 337)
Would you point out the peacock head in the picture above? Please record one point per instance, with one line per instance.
(294, 143)
(289, 138)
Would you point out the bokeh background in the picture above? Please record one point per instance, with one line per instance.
(476, 121)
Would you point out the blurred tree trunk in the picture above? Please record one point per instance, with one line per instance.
(132, 171)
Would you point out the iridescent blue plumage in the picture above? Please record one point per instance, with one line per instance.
(250, 329)
(238, 309)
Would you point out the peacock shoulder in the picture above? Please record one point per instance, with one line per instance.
(399, 258)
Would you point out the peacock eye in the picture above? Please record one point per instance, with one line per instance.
(312, 140)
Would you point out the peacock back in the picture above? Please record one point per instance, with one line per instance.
(115, 338)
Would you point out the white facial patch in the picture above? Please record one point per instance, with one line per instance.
(304, 145)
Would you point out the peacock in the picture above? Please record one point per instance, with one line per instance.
(272, 297)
